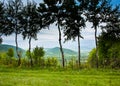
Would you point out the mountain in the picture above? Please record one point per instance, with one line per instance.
(5, 47)
(55, 52)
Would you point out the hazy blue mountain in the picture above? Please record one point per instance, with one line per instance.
(50, 52)
(56, 51)
(5, 47)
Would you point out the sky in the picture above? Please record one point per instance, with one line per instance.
(49, 38)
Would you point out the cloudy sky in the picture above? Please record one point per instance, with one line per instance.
(49, 38)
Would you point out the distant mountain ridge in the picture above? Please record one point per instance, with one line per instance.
(50, 52)
(5, 47)
(56, 51)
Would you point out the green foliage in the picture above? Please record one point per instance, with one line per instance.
(4, 58)
(7, 60)
(72, 63)
(109, 52)
(10, 53)
(28, 54)
(92, 58)
(4, 48)
(38, 53)
(51, 62)
(28, 21)
(25, 62)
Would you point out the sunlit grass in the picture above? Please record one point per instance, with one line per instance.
(33, 77)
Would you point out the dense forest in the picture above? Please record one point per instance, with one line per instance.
(70, 16)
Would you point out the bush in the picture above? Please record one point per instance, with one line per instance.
(51, 62)
(92, 61)
(72, 63)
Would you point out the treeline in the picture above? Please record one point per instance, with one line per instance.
(69, 15)
(38, 60)
(8, 59)
(108, 51)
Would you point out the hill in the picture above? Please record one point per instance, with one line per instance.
(50, 52)
(5, 47)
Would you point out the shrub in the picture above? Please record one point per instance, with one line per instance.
(92, 61)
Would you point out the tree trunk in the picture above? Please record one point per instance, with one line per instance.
(79, 55)
(19, 60)
(96, 43)
(61, 49)
(31, 62)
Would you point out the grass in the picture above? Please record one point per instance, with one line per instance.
(46, 77)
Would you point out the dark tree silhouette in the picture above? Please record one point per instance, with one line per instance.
(51, 12)
(2, 21)
(1, 40)
(74, 22)
(58, 14)
(111, 16)
(30, 24)
(95, 9)
(13, 13)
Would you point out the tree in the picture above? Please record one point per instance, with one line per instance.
(1, 40)
(108, 49)
(2, 12)
(109, 39)
(95, 9)
(30, 24)
(51, 11)
(38, 53)
(92, 58)
(14, 8)
(111, 16)
(58, 14)
(1, 17)
(10, 52)
(74, 22)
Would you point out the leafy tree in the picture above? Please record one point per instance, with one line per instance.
(95, 9)
(57, 11)
(2, 21)
(14, 8)
(110, 36)
(92, 58)
(10, 52)
(52, 11)
(111, 16)
(1, 17)
(38, 53)
(10, 55)
(74, 22)
(30, 24)
(28, 54)
(45, 16)
(1, 40)
(51, 62)
(108, 49)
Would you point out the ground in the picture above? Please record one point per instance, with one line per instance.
(48, 77)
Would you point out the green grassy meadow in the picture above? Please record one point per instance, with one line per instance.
(48, 77)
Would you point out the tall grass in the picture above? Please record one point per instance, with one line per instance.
(47, 77)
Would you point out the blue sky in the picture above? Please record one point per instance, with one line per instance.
(49, 38)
